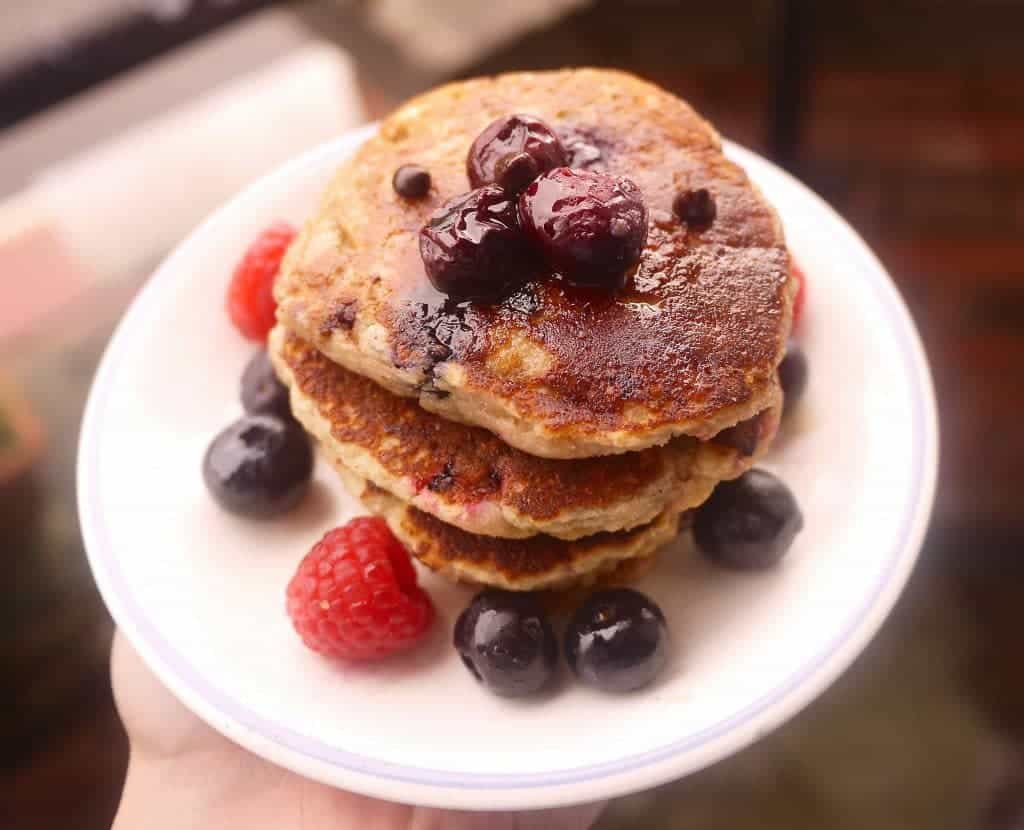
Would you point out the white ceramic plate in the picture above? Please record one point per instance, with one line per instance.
(201, 594)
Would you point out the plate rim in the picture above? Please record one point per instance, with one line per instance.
(464, 790)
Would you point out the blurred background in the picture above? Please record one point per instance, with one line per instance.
(124, 122)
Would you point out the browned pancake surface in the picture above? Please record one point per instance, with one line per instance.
(512, 558)
(466, 465)
(516, 564)
(690, 347)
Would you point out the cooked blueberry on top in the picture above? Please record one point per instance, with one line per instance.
(512, 151)
(473, 248)
(592, 227)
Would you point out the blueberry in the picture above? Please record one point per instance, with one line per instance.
(506, 642)
(744, 437)
(260, 466)
(512, 151)
(411, 181)
(262, 392)
(695, 207)
(592, 227)
(748, 523)
(473, 248)
(617, 640)
(515, 171)
(793, 375)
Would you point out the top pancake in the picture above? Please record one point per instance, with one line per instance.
(689, 347)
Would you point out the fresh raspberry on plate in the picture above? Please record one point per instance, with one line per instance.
(801, 293)
(355, 594)
(251, 303)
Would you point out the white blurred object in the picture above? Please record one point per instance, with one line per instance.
(126, 201)
(448, 34)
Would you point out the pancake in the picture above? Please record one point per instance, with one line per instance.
(537, 563)
(689, 347)
(468, 477)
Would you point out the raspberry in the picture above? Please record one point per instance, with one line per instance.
(801, 293)
(355, 594)
(251, 303)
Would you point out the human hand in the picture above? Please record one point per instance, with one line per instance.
(185, 776)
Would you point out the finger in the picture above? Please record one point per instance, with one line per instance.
(157, 723)
(578, 817)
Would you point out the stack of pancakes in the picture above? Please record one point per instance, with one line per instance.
(557, 436)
